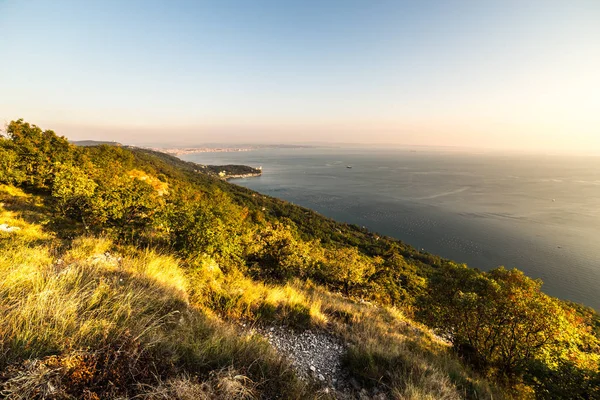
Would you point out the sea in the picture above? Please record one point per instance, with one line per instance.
(538, 213)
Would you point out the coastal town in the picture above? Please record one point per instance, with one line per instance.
(193, 150)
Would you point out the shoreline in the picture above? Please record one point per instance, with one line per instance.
(242, 176)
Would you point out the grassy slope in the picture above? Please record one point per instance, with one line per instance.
(85, 318)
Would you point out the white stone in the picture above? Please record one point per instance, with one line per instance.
(6, 228)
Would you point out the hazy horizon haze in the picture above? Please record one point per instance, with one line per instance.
(515, 75)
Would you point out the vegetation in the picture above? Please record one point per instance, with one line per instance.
(125, 272)
(229, 170)
(503, 324)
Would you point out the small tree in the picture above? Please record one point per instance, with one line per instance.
(397, 281)
(39, 152)
(73, 191)
(215, 227)
(500, 321)
(277, 255)
(11, 169)
(125, 206)
(347, 268)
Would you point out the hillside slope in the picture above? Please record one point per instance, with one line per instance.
(129, 273)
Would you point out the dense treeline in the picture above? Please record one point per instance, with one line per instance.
(499, 322)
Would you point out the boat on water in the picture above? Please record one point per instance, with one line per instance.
(348, 166)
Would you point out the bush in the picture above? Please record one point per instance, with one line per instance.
(501, 322)
(276, 255)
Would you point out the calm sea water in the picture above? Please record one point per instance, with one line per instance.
(540, 214)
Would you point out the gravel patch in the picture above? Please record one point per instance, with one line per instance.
(315, 354)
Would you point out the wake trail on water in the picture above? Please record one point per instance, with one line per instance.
(443, 194)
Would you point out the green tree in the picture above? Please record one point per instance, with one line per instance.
(500, 321)
(277, 255)
(126, 206)
(39, 152)
(397, 281)
(346, 268)
(11, 169)
(213, 225)
(73, 191)
(564, 380)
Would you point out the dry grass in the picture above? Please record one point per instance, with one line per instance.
(88, 319)
(51, 305)
(235, 296)
(386, 349)
(392, 352)
(67, 309)
(225, 384)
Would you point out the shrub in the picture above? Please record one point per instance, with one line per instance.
(501, 322)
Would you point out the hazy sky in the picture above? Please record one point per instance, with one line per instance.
(498, 74)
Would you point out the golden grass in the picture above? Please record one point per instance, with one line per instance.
(225, 384)
(24, 212)
(87, 302)
(69, 306)
(235, 296)
(386, 348)
(52, 307)
(390, 350)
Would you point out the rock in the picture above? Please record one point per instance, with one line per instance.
(6, 228)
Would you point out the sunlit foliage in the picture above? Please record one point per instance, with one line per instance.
(191, 243)
(502, 323)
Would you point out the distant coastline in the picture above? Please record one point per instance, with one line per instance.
(225, 172)
(179, 151)
(194, 150)
(230, 171)
(241, 176)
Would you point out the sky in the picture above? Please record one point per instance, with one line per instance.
(521, 75)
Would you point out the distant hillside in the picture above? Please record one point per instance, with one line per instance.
(127, 273)
(220, 171)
